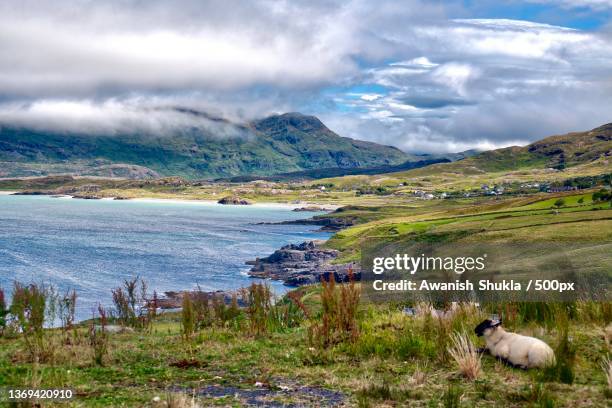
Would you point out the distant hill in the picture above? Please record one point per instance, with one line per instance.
(291, 142)
(557, 152)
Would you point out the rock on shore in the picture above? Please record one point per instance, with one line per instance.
(174, 300)
(233, 200)
(310, 208)
(301, 264)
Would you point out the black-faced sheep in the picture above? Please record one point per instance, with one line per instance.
(520, 351)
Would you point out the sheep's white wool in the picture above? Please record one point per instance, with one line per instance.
(522, 351)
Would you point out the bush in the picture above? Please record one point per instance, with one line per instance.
(259, 305)
(28, 309)
(128, 301)
(67, 308)
(187, 317)
(602, 195)
(559, 203)
(4, 311)
(201, 308)
(224, 313)
(339, 309)
(98, 337)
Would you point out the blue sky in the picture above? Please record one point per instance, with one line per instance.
(580, 15)
(425, 76)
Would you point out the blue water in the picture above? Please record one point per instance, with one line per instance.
(93, 245)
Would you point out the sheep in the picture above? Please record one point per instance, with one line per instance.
(519, 351)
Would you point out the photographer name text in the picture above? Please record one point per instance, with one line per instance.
(539, 285)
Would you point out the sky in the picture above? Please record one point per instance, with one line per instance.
(424, 76)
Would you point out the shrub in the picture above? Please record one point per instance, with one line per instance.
(67, 308)
(559, 203)
(128, 300)
(222, 312)
(187, 317)
(28, 308)
(339, 309)
(465, 355)
(4, 311)
(259, 307)
(201, 308)
(602, 195)
(285, 315)
(98, 337)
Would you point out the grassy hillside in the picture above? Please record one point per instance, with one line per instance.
(278, 144)
(551, 159)
(520, 220)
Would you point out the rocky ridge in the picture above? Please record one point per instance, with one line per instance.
(301, 264)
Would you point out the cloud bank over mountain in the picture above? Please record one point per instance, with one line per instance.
(422, 76)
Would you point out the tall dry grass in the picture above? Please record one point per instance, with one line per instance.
(606, 365)
(464, 353)
(339, 312)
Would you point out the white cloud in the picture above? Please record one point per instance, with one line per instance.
(112, 117)
(456, 76)
(40, 58)
(441, 84)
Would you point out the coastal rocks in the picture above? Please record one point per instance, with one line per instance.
(327, 223)
(31, 192)
(301, 264)
(233, 200)
(311, 208)
(174, 300)
(86, 196)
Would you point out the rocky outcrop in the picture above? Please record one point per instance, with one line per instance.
(331, 224)
(301, 264)
(311, 208)
(233, 200)
(86, 196)
(174, 300)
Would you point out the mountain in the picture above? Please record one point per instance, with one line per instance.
(315, 174)
(557, 152)
(277, 144)
(450, 156)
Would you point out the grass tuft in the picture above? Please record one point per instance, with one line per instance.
(464, 353)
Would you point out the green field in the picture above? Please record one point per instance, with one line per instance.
(394, 360)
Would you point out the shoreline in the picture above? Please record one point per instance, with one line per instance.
(325, 207)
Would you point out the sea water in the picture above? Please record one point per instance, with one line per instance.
(92, 246)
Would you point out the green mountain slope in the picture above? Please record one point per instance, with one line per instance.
(558, 152)
(277, 144)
